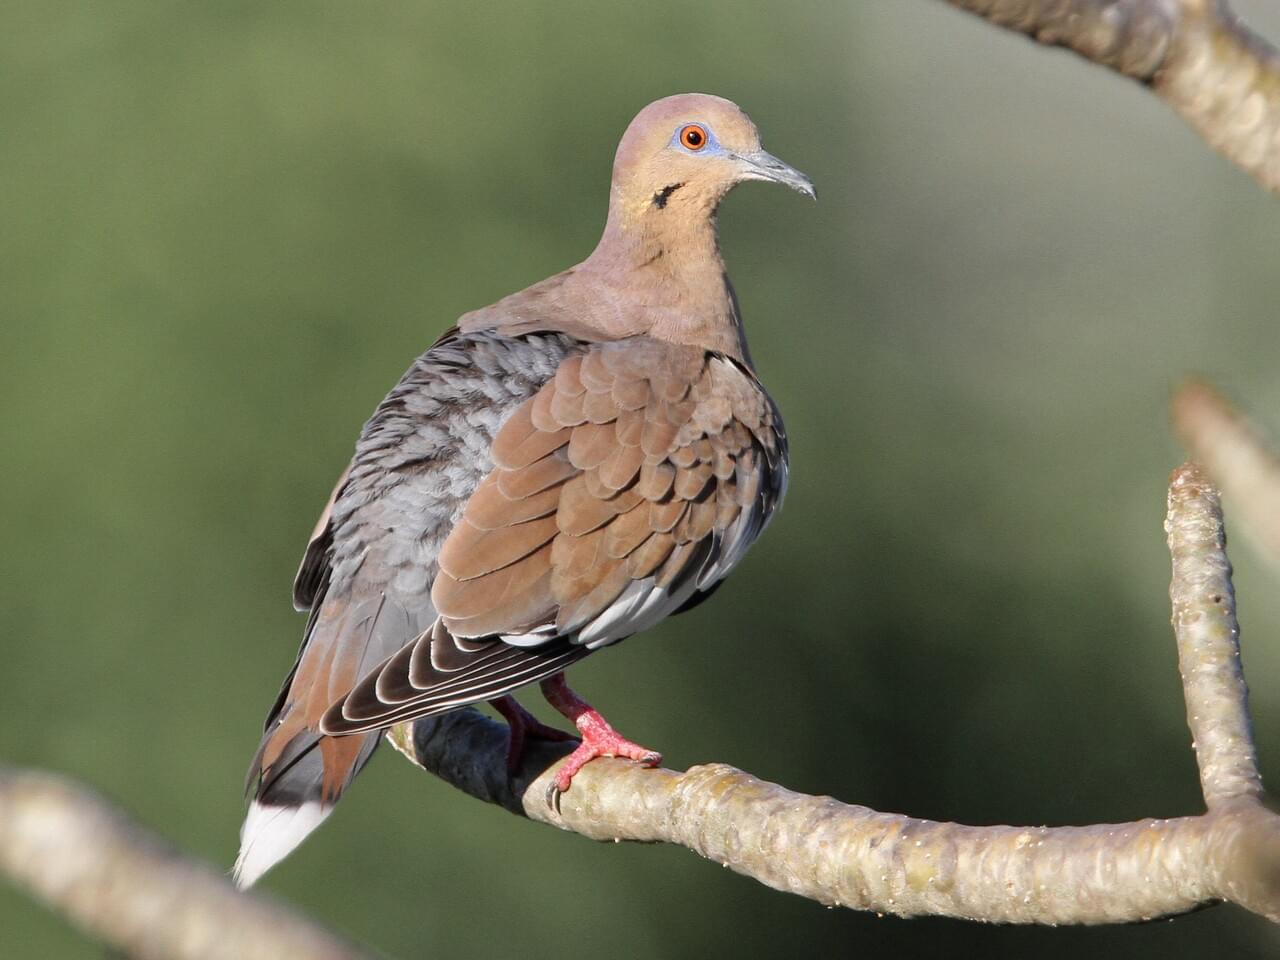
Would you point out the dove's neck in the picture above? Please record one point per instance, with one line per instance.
(666, 265)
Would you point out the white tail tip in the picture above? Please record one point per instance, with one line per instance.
(270, 833)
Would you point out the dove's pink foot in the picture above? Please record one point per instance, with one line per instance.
(523, 725)
(599, 739)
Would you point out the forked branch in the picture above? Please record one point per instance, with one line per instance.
(852, 856)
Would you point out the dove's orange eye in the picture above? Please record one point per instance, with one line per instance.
(693, 136)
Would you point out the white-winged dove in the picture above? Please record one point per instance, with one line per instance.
(559, 471)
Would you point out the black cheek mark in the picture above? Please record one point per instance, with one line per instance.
(662, 196)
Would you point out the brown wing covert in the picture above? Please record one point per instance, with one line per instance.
(635, 478)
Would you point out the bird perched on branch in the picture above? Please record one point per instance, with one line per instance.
(559, 471)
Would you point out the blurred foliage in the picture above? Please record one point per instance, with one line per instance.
(228, 227)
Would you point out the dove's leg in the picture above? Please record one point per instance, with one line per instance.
(599, 739)
(523, 725)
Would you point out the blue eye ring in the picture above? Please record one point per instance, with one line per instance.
(693, 137)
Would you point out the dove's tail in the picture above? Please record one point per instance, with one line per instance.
(294, 795)
(298, 774)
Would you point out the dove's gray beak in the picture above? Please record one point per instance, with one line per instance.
(762, 165)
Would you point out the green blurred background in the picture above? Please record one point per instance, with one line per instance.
(227, 229)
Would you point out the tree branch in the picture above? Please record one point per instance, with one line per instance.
(1196, 55)
(125, 887)
(1204, 621)
(856, 857)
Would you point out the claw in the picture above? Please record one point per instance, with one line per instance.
(599, 739)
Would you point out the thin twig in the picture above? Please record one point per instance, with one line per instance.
(1204, 621)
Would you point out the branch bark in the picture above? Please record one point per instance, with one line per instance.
(852, 856)
(1196, 55)
(126, 888)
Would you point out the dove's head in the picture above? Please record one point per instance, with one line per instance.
(682, 154)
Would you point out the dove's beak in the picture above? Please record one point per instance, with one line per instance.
(762, 165)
